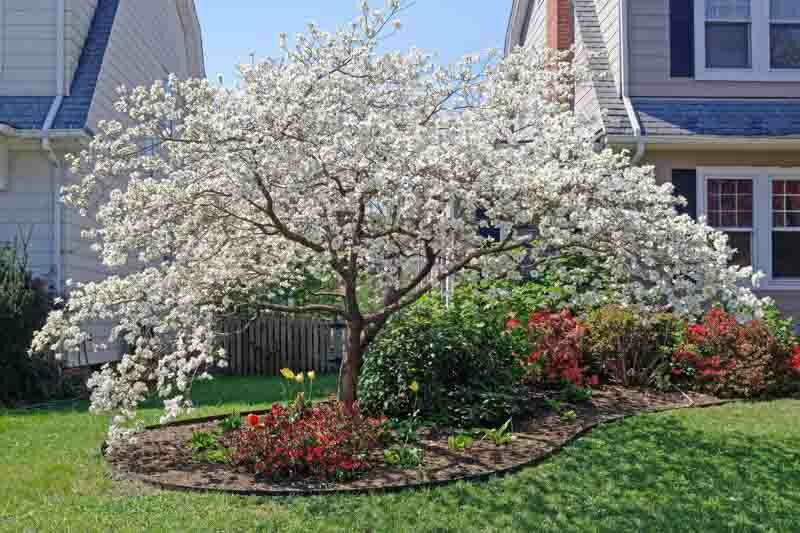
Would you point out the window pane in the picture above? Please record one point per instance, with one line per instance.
(728, 9)
(785, 256)
(785, 45)
(793, 220)
(729, 202)
(741, 241)
(785, 9)
(727, 45)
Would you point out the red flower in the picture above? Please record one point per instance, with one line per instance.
(535, 356)
(794, 361)
(513, 323)
(594, 381)
(252, 420)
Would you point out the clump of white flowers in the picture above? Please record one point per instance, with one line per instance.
(337, 162)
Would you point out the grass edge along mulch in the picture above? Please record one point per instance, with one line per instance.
(162, 459)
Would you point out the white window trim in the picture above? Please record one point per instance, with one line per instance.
(762, 214)
(759, 49)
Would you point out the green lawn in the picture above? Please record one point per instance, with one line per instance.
(732, 468)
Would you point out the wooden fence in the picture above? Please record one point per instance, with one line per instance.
(263, 347)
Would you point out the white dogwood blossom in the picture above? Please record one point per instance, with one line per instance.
(366, 170)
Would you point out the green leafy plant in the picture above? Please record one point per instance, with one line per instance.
(230, 423)
(465, 367)
(24, 304)
(573, 394)
(202, 441)
(569, 416)
(630, 346)
(460, 442)
(403, 456)
(498, 436)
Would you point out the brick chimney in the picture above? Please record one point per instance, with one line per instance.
(560, 31)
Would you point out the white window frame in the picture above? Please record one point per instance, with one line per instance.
(760, 69)
(762, 214)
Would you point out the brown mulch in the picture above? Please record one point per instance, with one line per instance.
(161, 455)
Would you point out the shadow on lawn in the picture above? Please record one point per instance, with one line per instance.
(652, 474)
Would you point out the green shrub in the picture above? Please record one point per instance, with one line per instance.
(465, 366)
(24, 304)
(629, 346)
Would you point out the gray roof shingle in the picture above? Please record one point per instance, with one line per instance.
(741, 118)
(30, 112)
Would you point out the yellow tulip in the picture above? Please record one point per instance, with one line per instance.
(299, 377)
(311, 375)
(414, 387)
(288, 374)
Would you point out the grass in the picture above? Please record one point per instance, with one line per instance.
(731, 468)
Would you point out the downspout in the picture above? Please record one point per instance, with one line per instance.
(57, 171)
(641, 145)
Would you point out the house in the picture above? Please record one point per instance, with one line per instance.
(706, 91)
(61, 62)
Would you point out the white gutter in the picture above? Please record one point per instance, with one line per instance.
(710, 142)
(57, 172)
(623, 69)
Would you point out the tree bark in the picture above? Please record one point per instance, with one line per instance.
(351, 365)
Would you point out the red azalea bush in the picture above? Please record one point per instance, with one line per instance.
(722, 356)
(557, 357)
(320, 442)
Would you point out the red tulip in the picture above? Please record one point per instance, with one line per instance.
(252, 420)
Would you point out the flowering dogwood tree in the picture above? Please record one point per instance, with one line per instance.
(363, 169)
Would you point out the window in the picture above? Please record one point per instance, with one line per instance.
(785, 228)
(728, 33)
(759, 210)
(729, 207)
(784, 34)
(748, 40)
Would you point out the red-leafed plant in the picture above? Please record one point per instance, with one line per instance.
(728, 358)
(323, 441)
(557, 355)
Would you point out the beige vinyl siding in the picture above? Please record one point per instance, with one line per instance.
(77, 20)
(536, 36)
(28, 56)
(650, 61)
(735, 156)
(147, 43)
(26, 208)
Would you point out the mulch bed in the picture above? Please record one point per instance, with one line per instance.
(161, 455)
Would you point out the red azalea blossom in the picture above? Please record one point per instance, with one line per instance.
(794, 360)
(323, 441)
(513, 323)
(594, 381)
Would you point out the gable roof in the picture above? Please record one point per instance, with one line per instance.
(30, 112)
(740, 118)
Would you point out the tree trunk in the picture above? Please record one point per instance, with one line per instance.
(351, 365)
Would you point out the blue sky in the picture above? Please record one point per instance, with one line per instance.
(232, 29)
